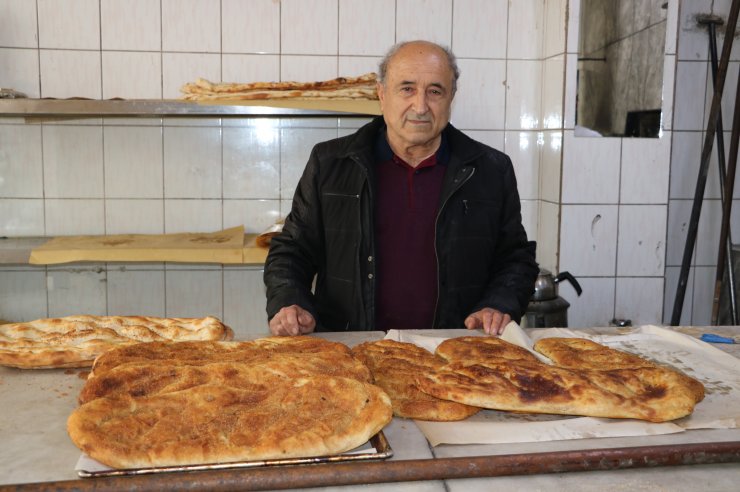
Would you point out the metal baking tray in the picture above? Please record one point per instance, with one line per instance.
(377, 448)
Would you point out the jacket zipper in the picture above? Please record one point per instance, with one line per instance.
(436, 223)
(363, 169)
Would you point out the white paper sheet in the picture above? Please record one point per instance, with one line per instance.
(717, 370)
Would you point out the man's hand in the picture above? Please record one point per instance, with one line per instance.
(489, 320)
(292, 320)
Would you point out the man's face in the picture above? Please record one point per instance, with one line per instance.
(416, 97)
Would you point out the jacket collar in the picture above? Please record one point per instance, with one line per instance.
(459, 147)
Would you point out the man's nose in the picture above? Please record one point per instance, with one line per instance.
(420, 103)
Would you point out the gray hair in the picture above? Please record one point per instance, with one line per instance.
(451, 60)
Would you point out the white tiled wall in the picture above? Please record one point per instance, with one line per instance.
(610, 223)
(615, 204)
(172, 175)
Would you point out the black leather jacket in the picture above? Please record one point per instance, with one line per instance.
(483, 256)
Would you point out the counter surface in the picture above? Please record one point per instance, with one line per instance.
(35, 447)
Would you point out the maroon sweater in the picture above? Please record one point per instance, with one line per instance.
(405, 215)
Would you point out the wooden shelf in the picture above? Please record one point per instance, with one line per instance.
(17, 250)
(90, 108)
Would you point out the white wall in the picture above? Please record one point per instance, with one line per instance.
(155, 175)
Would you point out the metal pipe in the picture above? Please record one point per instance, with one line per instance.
(325, 475)
(712, 30)
(727, 205)
(701, 180)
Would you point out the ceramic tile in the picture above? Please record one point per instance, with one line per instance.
(679, 214)
(525, 29)
(588, 239)
(192, 163)
(523, 94)
(469, 110)
(358, 65)
(691, 90)
(669, 86)
(192, 216)
(595, 306)
(530, 212)
(713, 189)
(701, 302)
(523, 149)
(131, 25)
(555, 25)
(707, 237)
(134, 216)
(366, 28)
(250, 68)
(671, 28)
(19, 24)
(295, 149)
(139, 292)
(672, 275)
(244, 303)
(472, 33)
(194, 294)
(250, 27)
(180, 68)
(574, 14)
(78, 291)
(692, 40)
(71, 217)
(492, 138)
(191, 25)
(19, 217)
(639, 300)
(73, 161)
(552, 92)
(308, 68)
(131, 75)
(721, 8)
(645, 170)
(22, 295)
(252, 161)
(255, 215)
(424, 19)
(685, 160)
(20, 69)
(67, 73)
(69, 25)
(642, 238)
(548, 228)
(728, 95)
(590, 169)
(308, 27)
(21, 168)
(551, 162)
(571, 77)
(133, 171)
(285, 206)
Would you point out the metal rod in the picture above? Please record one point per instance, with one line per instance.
(701, 180)
(712, 30)
(325, 475)
(727, 205)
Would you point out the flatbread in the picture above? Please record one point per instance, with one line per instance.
(394, 366)
(361, 87)
(212, 423)
(581, 353)
(75, 341)
(198, 353)
(494, 374)
(473, 349)
(653, 394)
(138, 379)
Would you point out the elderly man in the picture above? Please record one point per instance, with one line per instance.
(405, 224)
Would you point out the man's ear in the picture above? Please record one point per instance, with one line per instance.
(381, 92)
